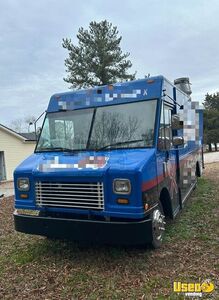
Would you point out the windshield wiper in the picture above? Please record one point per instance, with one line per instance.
(120, 143)
(56, 149)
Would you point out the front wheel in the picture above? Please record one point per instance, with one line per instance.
(158, 226)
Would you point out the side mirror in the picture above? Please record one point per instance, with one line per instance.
(38, 131)
(176, 123)
(178, 141)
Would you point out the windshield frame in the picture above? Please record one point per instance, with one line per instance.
(91, 129)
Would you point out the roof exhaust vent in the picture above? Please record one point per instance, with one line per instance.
(184, 85)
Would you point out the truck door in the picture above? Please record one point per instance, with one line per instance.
(166, 156)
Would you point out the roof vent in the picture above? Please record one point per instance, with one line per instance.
(184, 85)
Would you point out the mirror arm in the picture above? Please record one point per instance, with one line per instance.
(35, 123)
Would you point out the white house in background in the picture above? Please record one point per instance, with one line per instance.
(14, 148)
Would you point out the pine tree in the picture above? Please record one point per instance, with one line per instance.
(212, 101)
(98, 58)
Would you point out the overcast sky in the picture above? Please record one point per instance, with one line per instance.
(172, 38)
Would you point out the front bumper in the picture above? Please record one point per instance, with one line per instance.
(109, 232)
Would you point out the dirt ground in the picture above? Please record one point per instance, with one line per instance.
(33, 267)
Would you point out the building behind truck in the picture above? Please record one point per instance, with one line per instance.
(14, 148)
(112, 163)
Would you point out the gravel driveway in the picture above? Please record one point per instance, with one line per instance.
(211, 157)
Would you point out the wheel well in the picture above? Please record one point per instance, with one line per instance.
(197, 171)
(166, 203)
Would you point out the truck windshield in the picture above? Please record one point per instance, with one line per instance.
(128, 125)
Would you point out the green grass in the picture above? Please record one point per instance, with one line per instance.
(191, 222)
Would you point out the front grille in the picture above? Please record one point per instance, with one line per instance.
(71, 195)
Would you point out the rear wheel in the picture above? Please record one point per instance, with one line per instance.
(158, 226)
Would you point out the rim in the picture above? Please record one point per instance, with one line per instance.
(158, 224)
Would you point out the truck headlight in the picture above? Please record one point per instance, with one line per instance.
(23, 184)
(121, 186)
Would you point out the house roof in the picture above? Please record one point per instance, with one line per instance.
(25, 137)
(29, 135)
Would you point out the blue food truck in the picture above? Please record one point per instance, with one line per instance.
(112, 163)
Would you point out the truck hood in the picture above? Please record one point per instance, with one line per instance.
(85, 163)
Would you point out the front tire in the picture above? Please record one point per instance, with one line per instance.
(158, 226)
